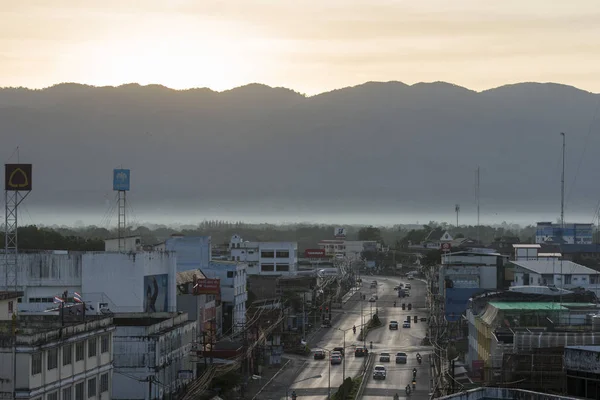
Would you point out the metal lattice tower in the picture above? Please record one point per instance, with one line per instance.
(122, 224)
(11, 248)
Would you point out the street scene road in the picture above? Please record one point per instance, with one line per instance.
(406, 340)
(307, 384)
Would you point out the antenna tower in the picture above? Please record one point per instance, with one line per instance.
(477, 198)
(457, 210)
(121, 184)
(562, 189)
(17, 185)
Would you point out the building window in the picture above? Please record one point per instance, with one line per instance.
(67, 352)
(91, 387)
(79, 355)
(52, 396)
(52, 360)
(104, 343)
(282, 254)
(79, 391)
(92, 347)
(267, 254)
(568, 279)
(230, 274)
(104, 383)
(67, 393)
(283, 267)
(36, 363)
(267, 267)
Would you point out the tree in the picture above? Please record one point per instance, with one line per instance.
(433, 257)
(369, 233)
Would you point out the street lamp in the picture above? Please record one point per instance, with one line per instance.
(301, 380)
(344, 359)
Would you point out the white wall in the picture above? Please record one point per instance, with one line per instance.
(253, 254)
(233, 276)
(120, 277)
(193, 252)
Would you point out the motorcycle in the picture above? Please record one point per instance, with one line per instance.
(414, 384)
(419, 360)
(414, 373)
(371, 344)
(394, 304)
(294, 396)
(354, 329)
(407, 389)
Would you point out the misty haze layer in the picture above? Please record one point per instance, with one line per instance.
(372, 149)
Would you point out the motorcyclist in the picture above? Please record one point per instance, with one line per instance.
(354, 329)
(394, 304)
(414, 384)
(294, 396)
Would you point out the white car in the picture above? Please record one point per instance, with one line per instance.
(384, 357)
(393, 325)
(407, 286)
(379, 372)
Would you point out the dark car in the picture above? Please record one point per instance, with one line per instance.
(326, 324)
(319, 355)
(361, 352)
(340, 350)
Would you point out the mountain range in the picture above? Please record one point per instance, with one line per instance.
(380, 147)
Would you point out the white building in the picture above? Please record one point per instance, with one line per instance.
(193, 252)
(130, 243)
(123, 282)
(152, 355)
(471, 269)
(233, 276)
(265, 258)
(351, 249)
(52, 361)
(560, 273)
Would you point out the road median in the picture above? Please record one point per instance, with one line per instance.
(369, 361)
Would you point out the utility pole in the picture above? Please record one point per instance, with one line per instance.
(303, 316)
(149, 387)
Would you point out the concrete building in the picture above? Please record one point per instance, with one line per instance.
(233, 280)
(495, 393)
(8, 304)
(265, 258)
(193, 252)
(526, 251)
(121, 282)
(583, 371)
(200, 307)
(130, 243)
(152, 355)
(547, 232)
(50, 360)
(350, 249)
(466, 273)
(554, 272)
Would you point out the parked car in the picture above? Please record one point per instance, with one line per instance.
(384, 357)
(372, 299)
(401, 358)
(336, 358)
(339, 350)
(361, 352)
(326, 324)
(379, 372)
(406, 324)
(393, 325)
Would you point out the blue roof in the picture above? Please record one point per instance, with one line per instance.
(579, 248)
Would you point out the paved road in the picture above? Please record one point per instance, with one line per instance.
(407, 340)
(356, 313)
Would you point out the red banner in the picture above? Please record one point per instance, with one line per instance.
(314, 253)
(207, 286)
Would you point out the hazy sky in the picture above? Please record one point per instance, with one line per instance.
(308, 45)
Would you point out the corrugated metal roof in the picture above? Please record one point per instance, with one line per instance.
(519, 305)
(526, 246)
(555, 267)
(595, 349)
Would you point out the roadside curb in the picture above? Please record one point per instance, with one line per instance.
(271, 380)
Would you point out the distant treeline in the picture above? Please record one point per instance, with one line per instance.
(91, 238)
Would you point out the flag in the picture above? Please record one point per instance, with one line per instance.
(58, 300)
(77, 297)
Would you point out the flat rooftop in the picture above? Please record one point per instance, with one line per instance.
(536, 306)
